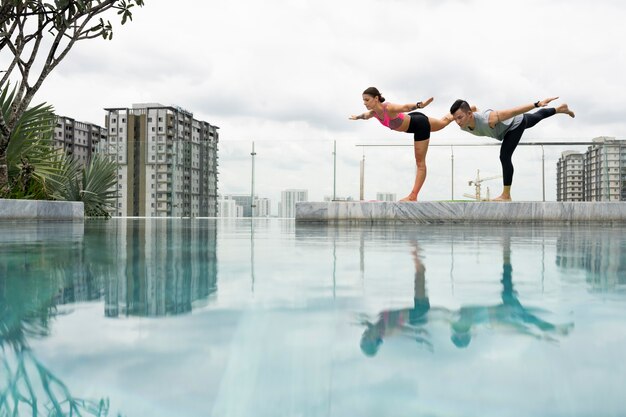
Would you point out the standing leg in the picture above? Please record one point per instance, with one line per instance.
(509, 143)
(512, 139)
(420, 148)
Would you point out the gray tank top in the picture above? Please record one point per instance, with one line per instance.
(502, 127)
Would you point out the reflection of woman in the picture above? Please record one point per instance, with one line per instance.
(510, 313)
(407, 321)
(393, 116)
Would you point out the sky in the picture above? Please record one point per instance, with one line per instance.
(288, 74)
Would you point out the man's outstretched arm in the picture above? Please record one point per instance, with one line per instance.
(500, 115)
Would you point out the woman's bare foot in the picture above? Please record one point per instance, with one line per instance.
(409, 197)
(564, 109)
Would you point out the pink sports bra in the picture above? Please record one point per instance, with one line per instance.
(386, 121)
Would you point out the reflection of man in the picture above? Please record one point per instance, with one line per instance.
(510, 313)
(403, 321)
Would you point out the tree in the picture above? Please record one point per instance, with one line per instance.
(35, 28)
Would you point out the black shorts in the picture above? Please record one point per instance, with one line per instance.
(419, 126)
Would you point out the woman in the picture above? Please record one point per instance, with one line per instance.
(392, 116)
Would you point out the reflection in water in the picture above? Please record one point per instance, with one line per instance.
(29, 388)
(140, 268)
(509, 315)
(35, 276)
(601, 254)
(158, 268)
(407, 321)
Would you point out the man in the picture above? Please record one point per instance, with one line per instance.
(505, 125)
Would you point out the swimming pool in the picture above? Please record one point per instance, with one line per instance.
(268, 318)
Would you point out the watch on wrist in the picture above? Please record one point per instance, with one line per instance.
(536, 104)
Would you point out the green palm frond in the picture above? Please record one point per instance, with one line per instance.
(31, 144)
(98, 181)
(39, 171)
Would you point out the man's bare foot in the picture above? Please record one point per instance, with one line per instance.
(564, 109)
(409, 197)
(501, 198)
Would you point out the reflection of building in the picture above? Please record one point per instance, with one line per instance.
(386, 196)
(602, 255)
(78, 139)
(167, 161)
(289, 198)
(159, 272)
(597, 175)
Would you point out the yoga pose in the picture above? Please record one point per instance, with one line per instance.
(509, 315)
(406, 321)
(505, 125)
(392, 116)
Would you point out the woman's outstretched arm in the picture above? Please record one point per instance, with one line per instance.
(363, 116)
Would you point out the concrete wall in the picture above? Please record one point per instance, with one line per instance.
(461, 212)
(41, 210)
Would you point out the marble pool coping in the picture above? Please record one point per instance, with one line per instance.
(461, 212)
(41, 210)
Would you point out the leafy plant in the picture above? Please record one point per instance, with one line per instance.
(93, 185)
(36, 170)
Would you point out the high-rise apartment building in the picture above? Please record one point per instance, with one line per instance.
(245, 206)
(605, 170)
(78, 139)
(244, 201)
(227, 207)
(263, 207)
(570, 177)
(600, 172)
(289, 198)
(167, 161)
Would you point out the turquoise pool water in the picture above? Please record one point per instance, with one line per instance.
(269, 318)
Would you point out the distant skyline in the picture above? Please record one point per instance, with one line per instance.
(289, 74)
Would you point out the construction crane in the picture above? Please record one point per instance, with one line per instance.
(477, 183)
